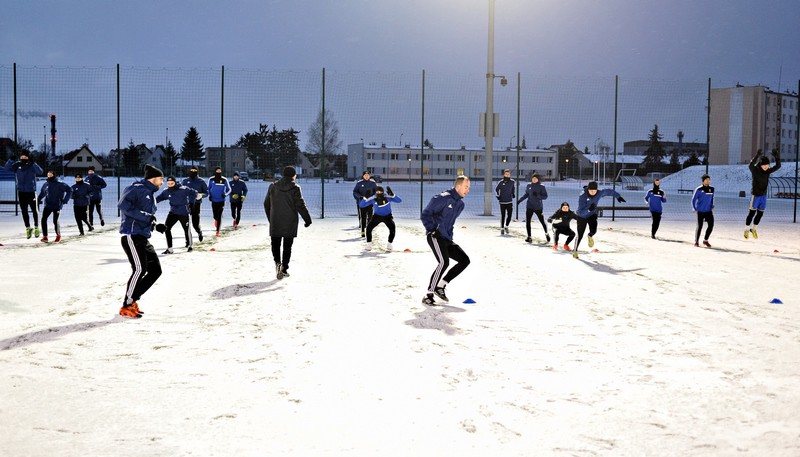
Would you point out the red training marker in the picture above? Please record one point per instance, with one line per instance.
(772, 251)
(409, 250)
(213, 249)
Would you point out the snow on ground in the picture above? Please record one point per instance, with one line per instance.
(645, 348)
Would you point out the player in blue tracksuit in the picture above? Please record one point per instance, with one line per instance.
(138, 207)
(438, 218)
(96, 197)
(364, 189)
(535, 193)
(238, 193)
(703, 205)
(81, 192)
(505, 192)
(200, 186)
(26, 171)
(655, 198)
(179, 197)
(218, 189)
(587, 212)
(381, 213)
(760, 171)
(55, 195)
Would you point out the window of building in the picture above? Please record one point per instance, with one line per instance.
(477, 158)
(394, 156)
(460, 157)
(448, 157)
(783, 118)
(370, 156)
(89, 159)
(80, 159)
(783, 133)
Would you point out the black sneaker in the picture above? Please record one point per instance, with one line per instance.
(529, 240)
(548, 237)
(428, 300)
(200, 236)
(168, 251)
(102, 223)
(285, 274)
(189, 249)
(279, 271)
(439, 291)
(91, 228)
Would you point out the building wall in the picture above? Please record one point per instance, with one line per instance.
(230, 159)
(392, 163)
(745, 119)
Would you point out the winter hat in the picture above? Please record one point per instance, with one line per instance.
(172, 178)
(91, 167)
(379, 189)
(151, 172)
(365, 172)
(235, 173)
(764, 160)
(79, 175)
(536, 175)
(289, 172)
(592, 185)
(564, 204)
(704, 177)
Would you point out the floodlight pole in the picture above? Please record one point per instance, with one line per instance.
(488, 122)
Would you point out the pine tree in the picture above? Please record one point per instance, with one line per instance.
(654, 154)
(169, 158)
(192, 149)
(130, 159)
(256, 145)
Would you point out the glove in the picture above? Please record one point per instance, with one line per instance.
(242, 198)
(200, 196)
(152, 219)
(161, 228)
(620, 199)
(235, 196)
(550, 220)
(307, 224)
(776, 152)
(592, 207)
(389, 191)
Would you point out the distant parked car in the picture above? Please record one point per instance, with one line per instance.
(244, 176)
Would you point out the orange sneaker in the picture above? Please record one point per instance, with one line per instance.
(567, 248)
(135, 307)
(129, 311)
(555, 246)
(58, 238)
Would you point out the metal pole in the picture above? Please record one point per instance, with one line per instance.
(119, 190)
(488, 123)
(796, 157)
(422, 149)
(322, 147)
(708, 126)
(519, 85)
(16, 184)
(222, 120)
(616, 111)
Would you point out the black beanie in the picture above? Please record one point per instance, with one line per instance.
(289, 172)
(764, 160)
(592, 185)
(151, 172)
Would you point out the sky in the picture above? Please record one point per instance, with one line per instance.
(732, 40)
(567, 53)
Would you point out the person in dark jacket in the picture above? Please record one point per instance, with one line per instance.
(81, 191)
(238, 193)
(218, 189)
(655, 198)
(505, 192)
(96, 197)
(587, 211)
(201, 188)
(703, 205)
(179, 197)
(284, 201)
(364, 189)
(137, 206)
(560, 220)
(760, 171)
(381, 213)
(535, 193)
(438, 218)
(55, 195)
(26, 171)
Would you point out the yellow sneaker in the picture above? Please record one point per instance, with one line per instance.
(746, 234)
(591, 242)
(755, 234)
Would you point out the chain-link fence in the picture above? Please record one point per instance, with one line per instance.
(587, 119)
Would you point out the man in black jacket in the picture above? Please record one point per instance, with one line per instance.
(284, 201)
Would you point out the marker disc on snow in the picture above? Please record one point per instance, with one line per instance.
(776, 301)
(775, 251)
(469, 300)
(406, 250)
(213, 249)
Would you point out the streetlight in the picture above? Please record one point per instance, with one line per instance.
(401, 140)
(489, 116)
(409, 167)
(566, 169)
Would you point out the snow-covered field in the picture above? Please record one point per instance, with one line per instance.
(644, 348)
